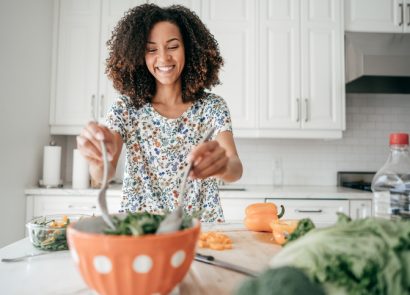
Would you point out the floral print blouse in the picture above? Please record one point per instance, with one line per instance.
(156, 152)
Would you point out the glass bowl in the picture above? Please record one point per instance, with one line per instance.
(49, 232)
(281, 229)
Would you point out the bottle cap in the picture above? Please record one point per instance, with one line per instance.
(399, 138)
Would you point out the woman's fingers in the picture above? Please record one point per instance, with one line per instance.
(216, 168)
(89, 142)
(208, 159)
(199, 151)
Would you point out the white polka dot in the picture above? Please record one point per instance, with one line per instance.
(102, 264)
(178, 258)
(74, 255)
(142, 264)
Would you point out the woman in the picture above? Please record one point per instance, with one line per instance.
(162, 60)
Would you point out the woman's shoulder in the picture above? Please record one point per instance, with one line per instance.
(213, 100)
(123, 101)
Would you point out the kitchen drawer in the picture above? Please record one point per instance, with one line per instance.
(234, 208)
(321, 212)
(45, 205)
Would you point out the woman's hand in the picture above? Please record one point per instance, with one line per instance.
(208, 159)
(89, 145)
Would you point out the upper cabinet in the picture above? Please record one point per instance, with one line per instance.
(233, 23)
(377, 16)
(81, 92)
(283, 75)
(301, 76)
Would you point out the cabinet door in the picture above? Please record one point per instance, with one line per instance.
(321, 212)
(374, 15)
(234, 208)
(280, 92)
(232, 22)
(46, 205)
(360, 208)
(112, 11)
(406, 13)
(322, 64)
(76, 63)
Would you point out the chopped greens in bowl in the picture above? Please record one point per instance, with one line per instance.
(49, 232)
(142, 223)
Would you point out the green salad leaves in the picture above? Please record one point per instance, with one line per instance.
(365, 256)
(142, 223)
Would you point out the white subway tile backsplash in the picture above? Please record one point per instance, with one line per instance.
(370, 118)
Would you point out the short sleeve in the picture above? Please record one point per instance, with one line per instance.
(220, 114)
(118, 116)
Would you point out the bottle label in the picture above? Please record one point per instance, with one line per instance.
(382, 207)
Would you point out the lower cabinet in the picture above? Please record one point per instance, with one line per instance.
(46, 205)
(321, 212)
(234, 208)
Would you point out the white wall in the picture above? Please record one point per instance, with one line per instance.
(25, 50)
(370, 118)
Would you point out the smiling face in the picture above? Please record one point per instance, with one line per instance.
(165, 53)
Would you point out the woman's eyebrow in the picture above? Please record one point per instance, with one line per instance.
(170, 40)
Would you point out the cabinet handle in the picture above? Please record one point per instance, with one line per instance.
(408, 9)
(102, 106)
(93, 107)
(82, 207)
(307, 110)
(402, 14)
(298, 106)
(309, 211)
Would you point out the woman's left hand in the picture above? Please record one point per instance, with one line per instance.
(208, 159)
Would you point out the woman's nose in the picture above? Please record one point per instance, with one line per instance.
(163, 55)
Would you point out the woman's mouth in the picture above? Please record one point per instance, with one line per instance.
(165, 69)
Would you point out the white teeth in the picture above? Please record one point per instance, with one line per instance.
(165, 69)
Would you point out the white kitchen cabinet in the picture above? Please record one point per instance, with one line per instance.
(233, 23)
(384, 16)
(360, 208)
(321, 212)
(81, 92)
(283, 73)
(301, 82)
(48, 205)
(234, 208)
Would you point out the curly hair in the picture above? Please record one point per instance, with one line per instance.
(126, 62)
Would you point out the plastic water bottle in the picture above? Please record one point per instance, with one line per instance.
(391, 184)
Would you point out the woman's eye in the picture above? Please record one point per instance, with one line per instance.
(173, 47)
(151, 49)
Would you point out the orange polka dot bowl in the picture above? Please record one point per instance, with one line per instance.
(121, 265)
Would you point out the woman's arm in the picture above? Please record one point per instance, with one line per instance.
(217, 158)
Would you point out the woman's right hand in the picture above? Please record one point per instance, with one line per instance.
(89, 143)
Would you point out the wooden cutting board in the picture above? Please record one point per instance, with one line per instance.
(250, 249)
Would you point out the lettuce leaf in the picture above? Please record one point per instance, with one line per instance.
(366, 256)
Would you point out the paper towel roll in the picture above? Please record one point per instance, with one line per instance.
(81, 176)
(51, 165)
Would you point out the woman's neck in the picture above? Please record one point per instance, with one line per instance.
(169, 95)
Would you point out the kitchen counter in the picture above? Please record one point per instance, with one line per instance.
(229, 191)
(56, 273)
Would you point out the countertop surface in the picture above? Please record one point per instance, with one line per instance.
(56, 273)
(228, 191)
